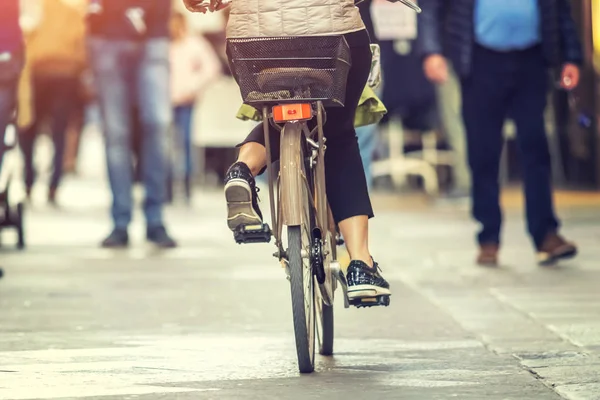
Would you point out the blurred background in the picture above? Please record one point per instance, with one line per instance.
(63, 291)
(419, 147)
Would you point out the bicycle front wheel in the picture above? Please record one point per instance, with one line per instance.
(324, 315)
(303, 296)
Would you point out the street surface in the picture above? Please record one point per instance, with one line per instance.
(212, 320)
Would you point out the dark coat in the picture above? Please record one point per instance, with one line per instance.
(447, 27)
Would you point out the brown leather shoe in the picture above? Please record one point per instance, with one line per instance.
(488, 254)
(555, 248)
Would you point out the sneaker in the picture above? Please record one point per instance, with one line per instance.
(117, 238)
(554, 248)
(488, 254)
(159, 236)
(242, 198)
(365, 282)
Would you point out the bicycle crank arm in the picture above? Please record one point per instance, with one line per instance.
(337, 273)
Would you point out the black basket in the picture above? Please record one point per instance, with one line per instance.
(290, 69)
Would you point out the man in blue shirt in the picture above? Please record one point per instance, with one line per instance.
(502, 50)
(129, 46)
(507, 25)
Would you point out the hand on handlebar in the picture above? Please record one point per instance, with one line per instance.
(408, 3)
(202, 6)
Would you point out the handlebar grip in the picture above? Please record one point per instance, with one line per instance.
(408, 3)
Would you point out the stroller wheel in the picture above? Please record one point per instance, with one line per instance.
(20, 227)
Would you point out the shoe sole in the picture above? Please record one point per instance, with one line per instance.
(239, 205)
(545, 259)
(114, 246)
(366, 291)
(162, 245)
(487, 263)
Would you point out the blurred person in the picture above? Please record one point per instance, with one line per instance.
(367, 144)
(77, 123)
(452, 126)
(407, 93)
(367, 135)
(502, 51)
(347, 189)
(194, 65)
(129, 50)
(56, 51)
(11, 64)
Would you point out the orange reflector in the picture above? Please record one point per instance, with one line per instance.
(292, 112)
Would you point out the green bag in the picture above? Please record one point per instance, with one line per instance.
(370, 110)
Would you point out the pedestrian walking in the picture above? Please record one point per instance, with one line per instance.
(129, 44)
(502, 52)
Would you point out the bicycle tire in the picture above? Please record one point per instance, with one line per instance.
(324, 312)
(296, 205)
(325, 329)
(20, 225)
(325, 301)
(304, 330)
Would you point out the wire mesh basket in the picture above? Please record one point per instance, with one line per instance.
(290, 69)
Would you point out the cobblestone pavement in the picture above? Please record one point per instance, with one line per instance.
(212, 319)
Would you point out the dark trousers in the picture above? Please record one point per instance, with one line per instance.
(55, 100)
(347, 190)
(128, 74)
(510, 84)
(182, 116)
(7, 108)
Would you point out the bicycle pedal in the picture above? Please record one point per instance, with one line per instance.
(252, 234)
(382, 300)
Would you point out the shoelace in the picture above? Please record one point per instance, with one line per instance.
(256, 190)
(374, 269)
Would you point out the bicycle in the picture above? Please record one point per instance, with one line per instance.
(292, 79)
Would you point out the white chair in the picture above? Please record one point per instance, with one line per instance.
(423, 163)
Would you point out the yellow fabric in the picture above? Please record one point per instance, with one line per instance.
(370, 110)
(57, 43)
(596, 34)
(24, 99)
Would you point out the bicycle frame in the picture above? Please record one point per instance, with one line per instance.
(288, 208)
(291, 215)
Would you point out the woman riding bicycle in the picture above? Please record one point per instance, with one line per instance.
(345, 178)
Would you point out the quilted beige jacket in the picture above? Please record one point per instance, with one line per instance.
(255, 18)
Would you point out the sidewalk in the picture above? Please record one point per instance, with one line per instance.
(547, 318)
(211, 319)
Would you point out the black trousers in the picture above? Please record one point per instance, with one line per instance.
(345, 177)
(55, 99)
(508, 84)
